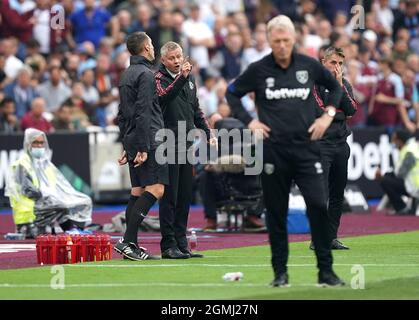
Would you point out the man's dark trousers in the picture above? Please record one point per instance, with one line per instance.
(394, 188)
(174, 206)
(335, 167)
(282, 165)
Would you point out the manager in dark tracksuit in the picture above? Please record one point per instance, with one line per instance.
(283, 83)
(177, 93)
(335, 149)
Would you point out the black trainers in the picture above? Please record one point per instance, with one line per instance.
(329, 279)
(337, 245)
(280, 280)
(132, 252)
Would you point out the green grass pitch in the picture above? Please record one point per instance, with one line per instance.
(390, 268)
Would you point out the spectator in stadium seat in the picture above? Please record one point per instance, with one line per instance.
(123, 19)
(200, 38)
(62, 120)
(3, 77)
(229, 58)
(39, 194)
(411, 95)
(71, 66)
(387, 98)
(90, 93)
(12, 63)
(83, 113)
(90, 23)
(8, 120)
(405, 179)
(42, 30)
(358, 120)
(143, 20)
(54, 91)
(331, 7)
(16, 21)
(35, 118)
(164, 31)
(21, 91)
(259, 50)
(401, 49)
(409, 19)
(413, 64)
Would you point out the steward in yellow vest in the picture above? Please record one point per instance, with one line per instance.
(39, 194)
(405, 179)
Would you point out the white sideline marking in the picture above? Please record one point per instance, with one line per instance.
(16, 247)
(310, 256)
(228, 265)
(149, 284)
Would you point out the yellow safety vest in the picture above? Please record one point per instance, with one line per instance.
(23, 207)
(412, 179)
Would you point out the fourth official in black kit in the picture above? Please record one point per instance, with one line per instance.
(283, 83)
(177, 93)
(335, 149)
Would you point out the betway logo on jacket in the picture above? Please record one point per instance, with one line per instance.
(286, 93)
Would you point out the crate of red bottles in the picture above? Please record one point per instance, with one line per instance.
(62, 249)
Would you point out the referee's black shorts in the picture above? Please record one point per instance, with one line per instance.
(149, 173)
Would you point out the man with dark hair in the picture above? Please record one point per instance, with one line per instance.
(177, 93)
(139, 119)
(335, 150)
(8, 120)
(283, 82)
(405, 179)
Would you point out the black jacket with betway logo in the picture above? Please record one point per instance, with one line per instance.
(338, 130)
(179, 102)
(139, 114)
(284, 97)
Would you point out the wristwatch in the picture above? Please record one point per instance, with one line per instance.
(331, 112)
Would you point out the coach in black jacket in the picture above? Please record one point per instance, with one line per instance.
(335, 149)
(177, 93)
(283, 83)
(139, 119)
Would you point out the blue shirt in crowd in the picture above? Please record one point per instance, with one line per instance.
(90, 29)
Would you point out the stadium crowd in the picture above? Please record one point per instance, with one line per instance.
(61, 72)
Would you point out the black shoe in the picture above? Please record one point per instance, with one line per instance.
(337, 245)
(132, 252)
(329, 279)
(280, 280)
(191, 254)
(403, 212)
(312, 245)
(174, 253)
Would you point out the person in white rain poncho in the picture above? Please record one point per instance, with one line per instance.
(39, 194)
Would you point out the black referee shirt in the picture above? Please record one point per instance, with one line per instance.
(284, 97)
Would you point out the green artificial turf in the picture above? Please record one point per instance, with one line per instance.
(390, 263)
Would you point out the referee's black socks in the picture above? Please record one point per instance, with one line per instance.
(128, 212)
(138, 212)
